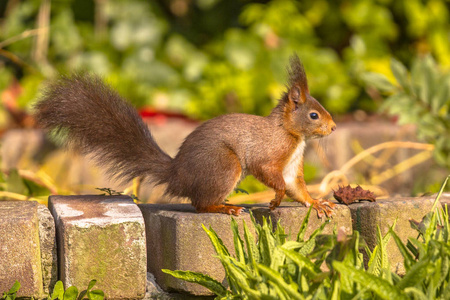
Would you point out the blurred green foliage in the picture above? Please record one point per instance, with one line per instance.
(420, 97)
(208, 57)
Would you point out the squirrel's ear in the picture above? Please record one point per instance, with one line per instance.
(295, 96)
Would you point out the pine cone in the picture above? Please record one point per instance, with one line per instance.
(348, 195)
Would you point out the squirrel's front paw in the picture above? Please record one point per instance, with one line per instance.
(323, 207)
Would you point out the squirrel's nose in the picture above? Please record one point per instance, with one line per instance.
(333, 128)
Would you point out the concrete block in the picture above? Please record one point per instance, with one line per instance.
(176, 241)
(291, 215)
(20, 256)
(47, 240)
(367, 215)
(102, 238)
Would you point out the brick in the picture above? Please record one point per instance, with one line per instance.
(367, 215)
(47, 240)
(291, 215)
(102, 238)
(176, 241)
(20, 257)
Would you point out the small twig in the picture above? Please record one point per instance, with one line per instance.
(396, 144)
(15, 196)
(401, 167)
(325, 185)
(23, 35)
(42, 40)
(15, 59)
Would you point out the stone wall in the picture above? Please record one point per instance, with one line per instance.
(124, 246)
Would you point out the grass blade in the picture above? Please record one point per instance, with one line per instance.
(199, 278)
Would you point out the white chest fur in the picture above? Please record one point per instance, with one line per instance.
(291, 168)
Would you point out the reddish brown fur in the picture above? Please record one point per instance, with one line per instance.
(212, 159)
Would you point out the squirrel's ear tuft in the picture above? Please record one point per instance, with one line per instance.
(297, 75)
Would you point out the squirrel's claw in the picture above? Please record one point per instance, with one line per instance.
(323, 207)
(224, 209)
(274, 203)
(236, 210)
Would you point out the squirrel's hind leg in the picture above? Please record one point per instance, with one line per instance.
(212, 191)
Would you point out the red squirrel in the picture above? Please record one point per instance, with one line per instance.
(212, 160)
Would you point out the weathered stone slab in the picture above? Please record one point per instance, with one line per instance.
(176, 241)
(444, 200)
(102, 238)
(383, 213)
(20, 257)
(291, 215)
(47, 239)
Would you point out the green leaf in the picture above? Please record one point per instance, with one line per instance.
(15, 183)
(383, 244)
(237, 274)
(267, 244)
(278, 259)
(416, 274)
(407, 257)
(415, 293)
(14, 288)
(378, 285)
(277, 279)
(302, 261)
(252, 249)
(199, 278)
(292, 245)
(304, 226)
(400, 73)
(71, 293)
(280, 234)
(96, 295)
(308, 247)
(281, 295)
(442, 96)
(238, 243)
(430, 229)
(444, 269)
(216, 241)
(379, 81)
(58, 291)
(91, 284)
(429, 79)
(417, 248)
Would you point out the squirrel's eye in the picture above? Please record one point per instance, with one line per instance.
(314, 116)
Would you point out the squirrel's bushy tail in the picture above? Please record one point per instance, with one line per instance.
(93, 119)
